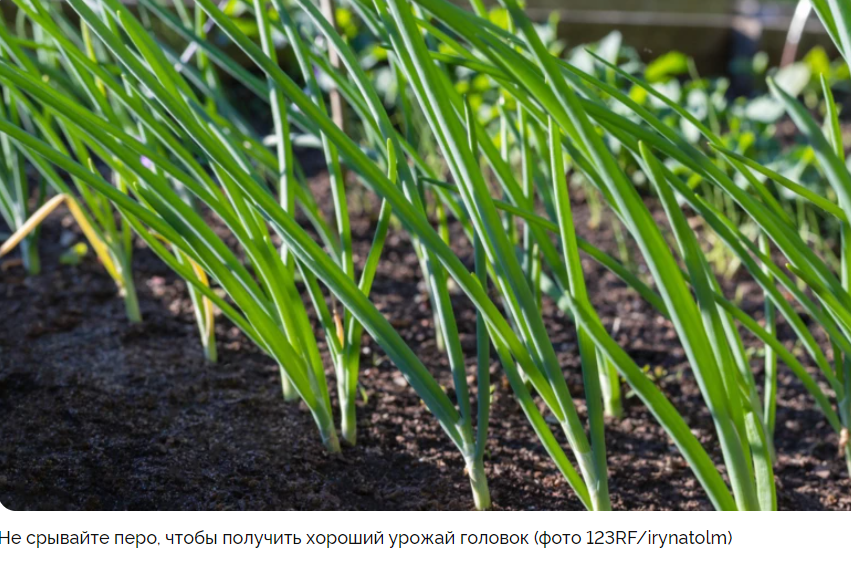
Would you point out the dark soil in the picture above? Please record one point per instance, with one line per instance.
(101, 414)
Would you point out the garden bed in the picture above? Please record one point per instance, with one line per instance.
(101, 414)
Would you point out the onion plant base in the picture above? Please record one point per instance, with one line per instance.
(131, 303)
(479, 484)
(613, 410)
(211, 353)
(610, 385)
(348, 422)
(328, 433)
(30, 256)
(288, 389)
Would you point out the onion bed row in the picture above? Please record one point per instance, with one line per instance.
(148, 132)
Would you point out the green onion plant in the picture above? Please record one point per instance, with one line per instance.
(543, 85)
(109, 237)
(178, 152)
(263, 298)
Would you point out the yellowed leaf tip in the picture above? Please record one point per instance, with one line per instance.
(31, 224)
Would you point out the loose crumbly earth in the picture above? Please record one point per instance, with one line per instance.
(101, 414)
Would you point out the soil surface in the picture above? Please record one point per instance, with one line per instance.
(101, 414)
